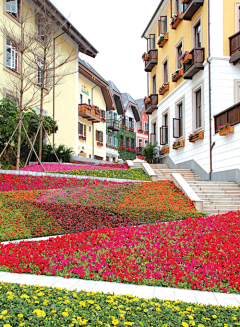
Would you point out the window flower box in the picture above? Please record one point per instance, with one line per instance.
(133, 150)
(131, 129)
(163, 89)
(175, 20)
(145, 56)
(196, 136)
(177, 75)
(163, 38)
(117, 121)
(145, 132)
(225, 129)
(124, 126)
(178, 144)
(184, 1)
(103, 119)
(129, 149)
(140, 131)
(185, 58)
(163, 151)
(146, 100)
(99, 143)
(82, 137)
(122, 147)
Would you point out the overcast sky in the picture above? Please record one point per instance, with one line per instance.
(114, 28)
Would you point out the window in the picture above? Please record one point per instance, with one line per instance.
(140, 142)
(90, 129)
(154, 86)
(162, 25)
(165, 72)
(140, 125)
(179, 6)
(151, 42)
(11, 55)
(81, 129)
(81, 99)
(99, 136)
(197, 29)
(198, 108)
(89, 102)
(121, 140)
(127, 142)
(146, 126)
(12, 7)
(102, 114)
(115, 141)
(132, 144)
(90, 156)
(114, 159)
(131, 122)
(164, 130)
(107, 158)
(146, 142)
(178, 122)
(40, 73)
(179, 53)
(40, 30)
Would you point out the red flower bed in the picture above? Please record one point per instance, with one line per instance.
(200, 254)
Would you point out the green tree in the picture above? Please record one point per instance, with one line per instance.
(150, 151)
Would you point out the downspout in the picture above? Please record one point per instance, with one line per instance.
(210, 94)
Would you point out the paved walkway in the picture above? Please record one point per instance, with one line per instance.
(149, 292)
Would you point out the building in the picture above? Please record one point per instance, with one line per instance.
(66, 43)
(192, 61)
(142, 127)
(122, 124)
(95, 103)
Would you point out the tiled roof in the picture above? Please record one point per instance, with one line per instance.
(113, 87)
(89, 67)
(140, 105)
(126, 99)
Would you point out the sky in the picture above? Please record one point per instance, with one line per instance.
(114, 28)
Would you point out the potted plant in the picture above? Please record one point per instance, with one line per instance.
(225, 129)
(196, 136)
(185, 57)
(99, 143)
(145, 132)
(145, 56)
(175, 20)
(176, 75)
(163, 38)
(128, 149)
(163, 151)
(178, 144)
(164, 88)
(82, 137)
(146, 100)
(131, 129)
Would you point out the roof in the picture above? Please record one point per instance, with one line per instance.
(89, 67)
(83, 44)
(126, 99)
(140, 105)
(153, 16)
(113, 87)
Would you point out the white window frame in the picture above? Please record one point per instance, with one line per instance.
(145, 129)
(163, 63)
(11, 49)
(89, 129)
(139, 142)
(181, 101)
(176, 52)
(237, 7)
(83, 129)
(236, 91)
(166, 112)
(197, 88)
(145, 142)
(10, 7)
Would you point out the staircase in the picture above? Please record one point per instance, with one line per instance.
(218, 197)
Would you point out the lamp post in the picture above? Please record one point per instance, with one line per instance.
(54, 64)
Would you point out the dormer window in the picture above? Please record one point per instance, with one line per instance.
(12, 7)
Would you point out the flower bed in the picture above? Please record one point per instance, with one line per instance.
(201, 254)
(62, 167)
(132, 174)
(42, 306)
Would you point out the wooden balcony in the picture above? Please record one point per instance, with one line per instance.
(152, 105)
(152, 61)
(195, 64)
(190, 8)
(230, 116)
(113, 125)
(234, 41)
(89, 113)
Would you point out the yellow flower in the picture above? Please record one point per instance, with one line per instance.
(65, 314)
(22, 324)
(7, 325)
(189, 309)
(20, 315)
(190, 317)
(129, 323)
(40, 313)
(184, 324)
(201, 325)
(115, 322)
(214, 316)
(40, 294)
(4, 312)
(24, 296)
(91, 302)
(192, 323)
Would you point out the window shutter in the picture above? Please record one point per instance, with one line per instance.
(176, 127)
(101, 136)
(85, 134)
(79, 128)
(9, 56)
(163, 133)
(97, 135)
(163, 25)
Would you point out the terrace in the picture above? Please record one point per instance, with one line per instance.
(90, 113)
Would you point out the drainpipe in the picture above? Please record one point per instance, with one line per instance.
(210, 94)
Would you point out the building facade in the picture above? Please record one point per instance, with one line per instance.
(194, 77)
(142, 127)
(65, 41)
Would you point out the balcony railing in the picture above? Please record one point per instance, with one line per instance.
(230, 116)
(234, 41)
(152, 105)
(195, 64)
(152, 61)
(113, 125)
(190, 7)
(89, 113)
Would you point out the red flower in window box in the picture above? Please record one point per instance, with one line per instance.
(99, 143)
(122, 147)
(82, 137)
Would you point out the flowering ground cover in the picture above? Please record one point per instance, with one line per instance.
(73, 166)
(42, 306)
(200, 254)
(134, 174)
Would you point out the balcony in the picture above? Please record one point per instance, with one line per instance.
(190, 7)
(152, 61)
(88, 112)
(230, 116)
(234, 41)
(113, 125)
(195, 64)
(152, 104)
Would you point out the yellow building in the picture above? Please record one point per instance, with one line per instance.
(95, 100)
(192, 61)
(65, 42)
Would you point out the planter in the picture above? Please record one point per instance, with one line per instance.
(177, 22)
(187, 58)
(198, 136)
(177, 76)
(163, 151)
(131, 129)
(182, 143)
(83, 138)
(145, 132)
(124, 126)
(184, 1)
(164, 89)
(99, 143)
(161, 44)
(140, 131)
(227, 130)
(147, 100)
